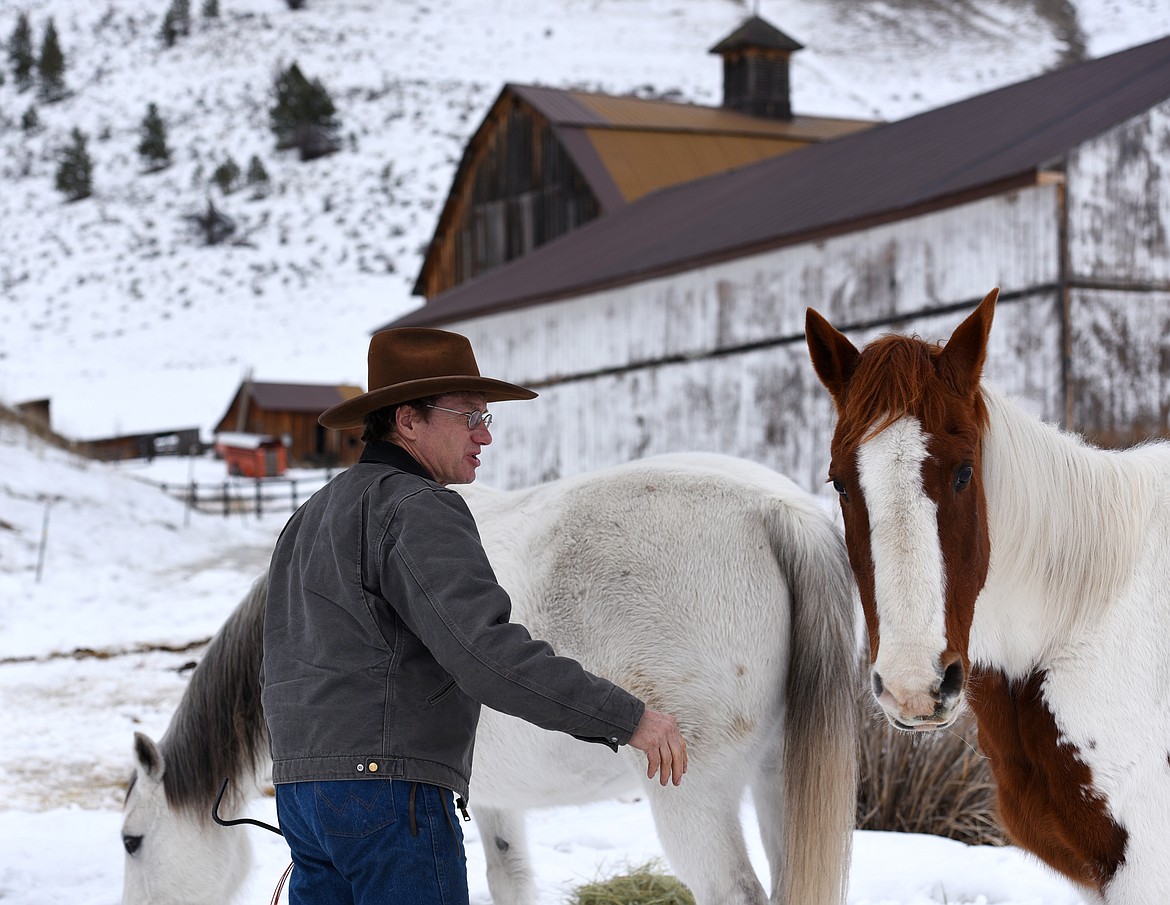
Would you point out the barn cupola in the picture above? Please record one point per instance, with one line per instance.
(755, 69)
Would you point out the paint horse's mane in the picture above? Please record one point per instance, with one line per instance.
(896, 376)
(218, 730)
(1078, 515)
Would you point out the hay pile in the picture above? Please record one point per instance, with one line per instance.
(641, 886)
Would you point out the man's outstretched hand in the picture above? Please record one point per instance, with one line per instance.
(659, 737)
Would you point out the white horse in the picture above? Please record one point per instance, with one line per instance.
(712, 588)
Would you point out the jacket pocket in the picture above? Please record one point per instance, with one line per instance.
(353, 808)
(441, 692)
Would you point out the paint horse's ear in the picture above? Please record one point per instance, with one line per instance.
(834, 357)
(961, 362)
(149, 757)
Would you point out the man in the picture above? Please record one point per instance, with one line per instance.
(385, 630)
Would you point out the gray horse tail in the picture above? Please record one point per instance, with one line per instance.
(218, 729)
(820, 748)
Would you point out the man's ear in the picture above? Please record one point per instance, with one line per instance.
(405, 421)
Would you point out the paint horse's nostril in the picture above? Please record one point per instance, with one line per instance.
(878, 687)
(952, 682)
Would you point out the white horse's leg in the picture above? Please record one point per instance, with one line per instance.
(699, 827)
(505, 846)
(768, 798)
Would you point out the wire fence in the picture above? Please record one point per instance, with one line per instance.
(248, 496)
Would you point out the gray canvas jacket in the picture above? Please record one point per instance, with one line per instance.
(385, 630)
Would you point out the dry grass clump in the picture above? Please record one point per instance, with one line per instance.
(641, 886)
(925, 782)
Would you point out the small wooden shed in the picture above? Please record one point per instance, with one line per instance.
(252, 455)
(289, 412)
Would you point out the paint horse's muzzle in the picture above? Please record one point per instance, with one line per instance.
(911, 707)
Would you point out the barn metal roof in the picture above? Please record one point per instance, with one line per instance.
(627, 147)
(300, 397)
(587, 109)
(968, 149)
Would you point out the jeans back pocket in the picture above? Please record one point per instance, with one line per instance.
(355, 807)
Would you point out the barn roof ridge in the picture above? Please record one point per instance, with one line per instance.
(982, 144)
(563, 107)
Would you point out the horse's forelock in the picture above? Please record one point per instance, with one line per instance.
(896, 376)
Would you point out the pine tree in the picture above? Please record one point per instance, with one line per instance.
(210, 9)
(51, 66)
(30, 122)
(176, 22)
(168, 31)
(303, 116)
(257, 178)
(153, 147)
(226, 175)
(75, 171)
(20, 53)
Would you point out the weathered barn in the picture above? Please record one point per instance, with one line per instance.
(676, 321)
(547, 160)
(177, 442)
(289, 411)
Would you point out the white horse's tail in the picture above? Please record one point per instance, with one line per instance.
(820, 748)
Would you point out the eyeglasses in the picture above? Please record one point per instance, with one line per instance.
(474, 418)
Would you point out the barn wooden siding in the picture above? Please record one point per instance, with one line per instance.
(714, 358)
(1119, 276)
(525, 192)
(309, 444)
(140, 446)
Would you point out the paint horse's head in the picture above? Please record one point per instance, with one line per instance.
(906, 463)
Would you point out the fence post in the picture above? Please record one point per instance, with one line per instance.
(44, 539)
(259, 504)
(292, 485)
(226, 507)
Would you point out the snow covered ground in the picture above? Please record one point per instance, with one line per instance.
(126, 571)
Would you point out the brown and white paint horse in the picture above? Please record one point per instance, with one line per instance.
(1005, 562)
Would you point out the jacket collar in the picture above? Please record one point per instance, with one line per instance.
(386, 453)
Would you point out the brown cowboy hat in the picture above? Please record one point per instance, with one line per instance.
(412, 362)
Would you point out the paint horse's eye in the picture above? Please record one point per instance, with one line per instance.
(839, 486)
(131, 844)
(963, 477)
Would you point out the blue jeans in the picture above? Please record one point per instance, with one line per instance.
(360, 842)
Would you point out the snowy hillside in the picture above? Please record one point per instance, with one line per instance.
(91, 557)
(112, 308)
